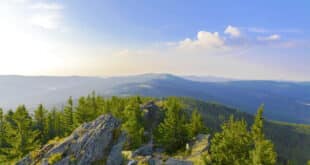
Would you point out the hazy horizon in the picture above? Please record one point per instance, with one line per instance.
(186, 76)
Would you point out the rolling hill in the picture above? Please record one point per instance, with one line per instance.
(284, 101)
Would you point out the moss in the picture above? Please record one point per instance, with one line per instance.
(201, 159)
(34, 154)
(100, 162)
(142, 163)
(54, 158)
(127, 154)
(73, 160)
(55, 140)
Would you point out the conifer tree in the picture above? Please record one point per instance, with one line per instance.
(133, 124)
(55, 124)
(4, 145)
(196, 124)
(263, 152)
(24, 139)
(51, 130)
(172, 132)
(232, 144)
(40, 116)
(83, 112)
(68, 117)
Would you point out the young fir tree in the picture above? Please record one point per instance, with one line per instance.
(40, 121)
(59, 123)
(232, 144)
(172, 132)
(133, 124)
(4, 145)
(93, 104)
(24, 139)
(84, 111)
(68, 117)
(51, 130)
(196, 125)
(263, 152)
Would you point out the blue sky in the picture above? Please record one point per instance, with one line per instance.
(238, 39)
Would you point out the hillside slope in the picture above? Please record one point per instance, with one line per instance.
(284, 101)
(292, 141)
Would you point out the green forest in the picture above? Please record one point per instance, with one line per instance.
(236, 137)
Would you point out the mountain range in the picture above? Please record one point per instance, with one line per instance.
(283, 100)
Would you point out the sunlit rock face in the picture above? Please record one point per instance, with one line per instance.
(99, 141)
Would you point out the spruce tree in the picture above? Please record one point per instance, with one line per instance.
(83, 112)
(40, 119)
(263, 152)
(24, 139)
(172, 132)
(4, 145)
(68, 117)
(232, 144)
(133, 124)
(196, 125)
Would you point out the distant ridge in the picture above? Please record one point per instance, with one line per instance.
(208, 78)
(284, 101)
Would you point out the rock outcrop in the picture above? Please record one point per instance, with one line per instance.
(96, 142)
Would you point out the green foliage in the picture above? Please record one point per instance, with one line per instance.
(4, 144)
(87, 109)
(23, 139)
(40, 123)
(236, 145)
(133, 124)
(180, 119)
(263, 152)
(232, 144)
(196, 124)
(172, 133)
(68, 117)
(55, 126)
(54, 158)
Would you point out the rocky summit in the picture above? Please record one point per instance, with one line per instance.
(96, 142)
(102, 142)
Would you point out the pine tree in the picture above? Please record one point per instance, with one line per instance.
(25, 138)
(232, 144)
(4, 145)
(263, 152)
(133, 124)
(196, 125)
(172, 132)
(68, 117)
(51, 130)
(40, 119)
(59, 123)
(83, 112)
(55, 124)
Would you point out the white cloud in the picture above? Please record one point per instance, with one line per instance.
(273, 37)
(232, 31)
(47, 6)
(204, 40)
(46, 15)
(48, 21)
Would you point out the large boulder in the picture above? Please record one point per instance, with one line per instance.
(96, 142)
(143, 150)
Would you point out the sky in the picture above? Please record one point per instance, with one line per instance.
(233, 39)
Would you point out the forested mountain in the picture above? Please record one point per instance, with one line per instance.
(284, 101)
(170, 122)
